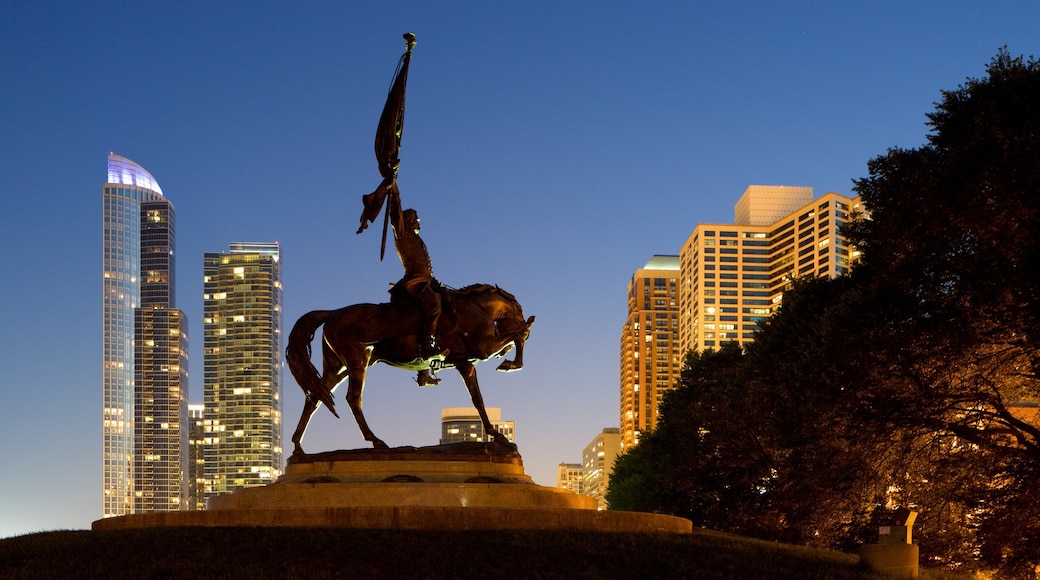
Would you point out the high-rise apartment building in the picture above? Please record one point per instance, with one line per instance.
(734, 275)
(462, 424)
(650, 356)
(144, 345)
(597, 462)
(242, 360)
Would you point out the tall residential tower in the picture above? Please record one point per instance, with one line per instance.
(650, 357)
(144, 348)
(242, 360)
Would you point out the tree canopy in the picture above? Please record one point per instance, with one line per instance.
(911, 382)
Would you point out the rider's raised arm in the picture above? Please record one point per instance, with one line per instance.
(393, 208)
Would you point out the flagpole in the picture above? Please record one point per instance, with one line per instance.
(397, 92)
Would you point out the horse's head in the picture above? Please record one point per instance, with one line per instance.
(527, 328)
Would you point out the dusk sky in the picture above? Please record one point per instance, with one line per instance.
(549, 147)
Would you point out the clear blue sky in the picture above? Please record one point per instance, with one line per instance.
(550, 148)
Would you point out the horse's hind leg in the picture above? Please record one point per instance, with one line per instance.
(355, 387)
(469, 376)
(329, 381)
(309, 406)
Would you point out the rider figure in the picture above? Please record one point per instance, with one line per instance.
(418, 278)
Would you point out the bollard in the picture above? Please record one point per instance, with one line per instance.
(894, 554)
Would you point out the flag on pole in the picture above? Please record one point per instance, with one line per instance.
(388, 143)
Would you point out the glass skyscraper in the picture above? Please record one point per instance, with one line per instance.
(242, 359)
(144, 344)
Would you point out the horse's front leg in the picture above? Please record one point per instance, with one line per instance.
(518, 361)
(469, 376)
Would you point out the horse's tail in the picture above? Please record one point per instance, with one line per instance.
(298, 357)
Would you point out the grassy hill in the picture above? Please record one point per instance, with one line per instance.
(316, 553)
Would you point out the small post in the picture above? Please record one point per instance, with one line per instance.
(895, 553)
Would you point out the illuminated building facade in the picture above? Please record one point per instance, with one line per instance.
(242, 360)
(461, 424)
(160, 371)
(598, 463)
(650, 356)
(734, 275)
(144, 347)
(569, 476)
(196, 457)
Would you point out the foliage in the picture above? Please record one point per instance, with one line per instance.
(954, 237)
(911, 382)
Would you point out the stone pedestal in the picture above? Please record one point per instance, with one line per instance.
(458, 487)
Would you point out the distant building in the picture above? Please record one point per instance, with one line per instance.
(196, 457)
(733, 276)
(598, 463)
(461, 424)
(144, 345)
(651, 359)
(242, 359)
(569, 476)
(1028, 411)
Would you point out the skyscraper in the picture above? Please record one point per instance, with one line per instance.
(734, 275)
(144, 347)
(242, 359)
(160, 370)
(650, 357)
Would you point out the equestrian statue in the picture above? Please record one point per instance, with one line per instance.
(425, 326)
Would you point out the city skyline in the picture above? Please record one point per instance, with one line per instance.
(549, 149)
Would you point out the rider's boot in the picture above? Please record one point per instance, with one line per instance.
(425, 379)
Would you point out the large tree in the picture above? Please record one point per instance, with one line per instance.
(953, 241)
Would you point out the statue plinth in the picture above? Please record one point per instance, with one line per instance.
(470, 451)
(438, 488)
(460, 475)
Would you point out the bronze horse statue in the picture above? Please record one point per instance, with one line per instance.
(480, 322)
